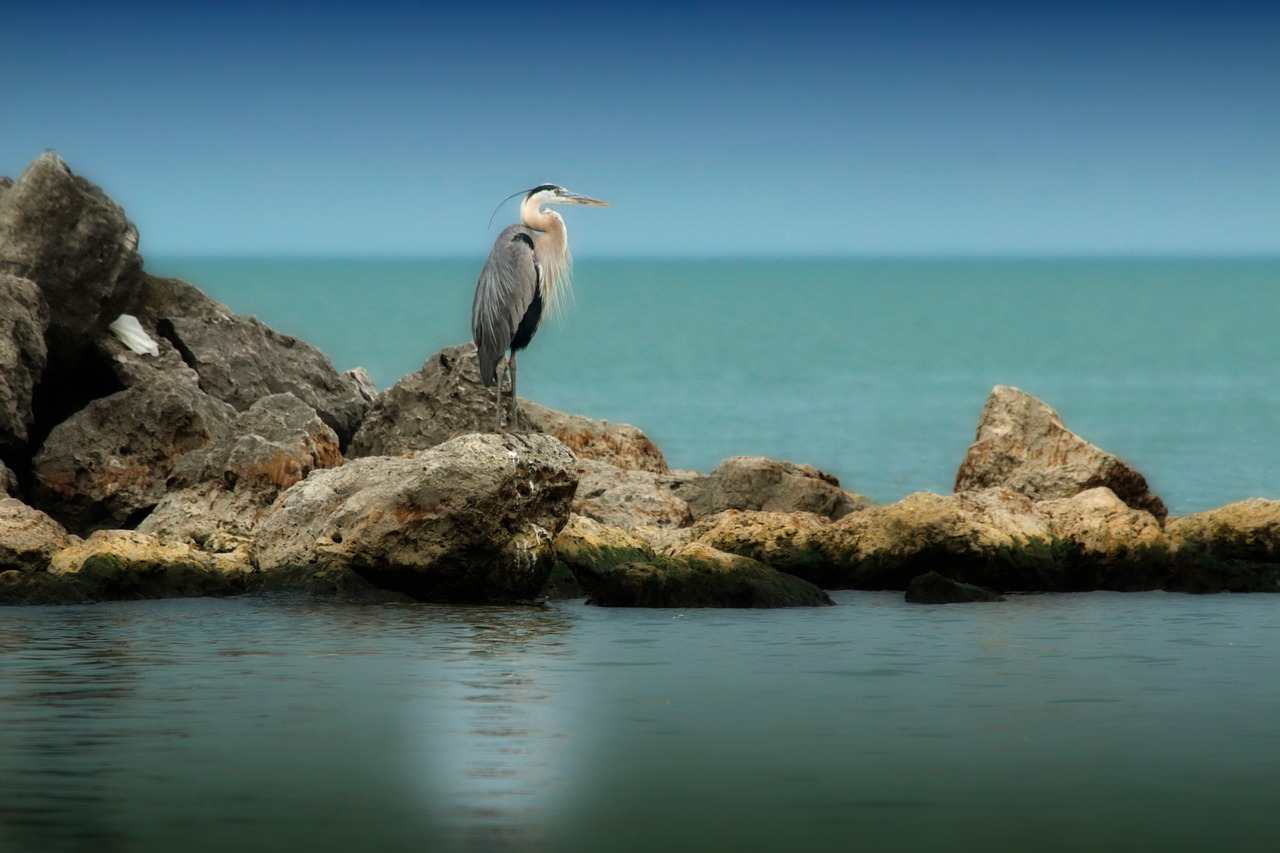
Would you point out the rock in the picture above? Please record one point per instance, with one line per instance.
(8, 482)
(63, 233)
(621, 445)
(126, 564)
(471, 520)
(1247, 530)
(1114, 546)
(778, 539)
(587, 548)
(446, 399)
(106, 465)
(220, 492)
(332, 583)
(1022, 445)
(639, 502)
(994, 538)
(757, 483)
(23, 320)
(28, 537)
(701, 576)
(240, 360)
(933, 588)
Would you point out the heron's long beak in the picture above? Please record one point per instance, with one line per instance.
(574, 198)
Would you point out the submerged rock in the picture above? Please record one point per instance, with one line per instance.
(758, 483)
(933, 588)
(1022, 445)
(471, 520)
(220, 492)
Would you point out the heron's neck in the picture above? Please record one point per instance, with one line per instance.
(552, 251)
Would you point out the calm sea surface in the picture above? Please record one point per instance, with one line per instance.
(1096, 721)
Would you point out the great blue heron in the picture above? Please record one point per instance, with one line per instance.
(527, 274)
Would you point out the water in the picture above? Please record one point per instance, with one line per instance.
(1096, 721)
(874, 370)
(1093, 721)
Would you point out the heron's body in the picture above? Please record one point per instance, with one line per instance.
(526, 276)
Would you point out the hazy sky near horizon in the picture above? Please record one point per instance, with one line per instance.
(715, 129)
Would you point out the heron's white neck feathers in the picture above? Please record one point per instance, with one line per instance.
(551, 250)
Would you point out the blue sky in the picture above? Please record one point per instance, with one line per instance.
(716, 129)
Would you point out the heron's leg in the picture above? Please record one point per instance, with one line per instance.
(497, 408)
(514, 419)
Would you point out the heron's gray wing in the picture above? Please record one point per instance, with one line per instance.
(506, 288)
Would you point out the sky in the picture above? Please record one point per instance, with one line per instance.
(743, 129)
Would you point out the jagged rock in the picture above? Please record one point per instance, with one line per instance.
(23, 320)
(701, 576)
(933, 588)
(220, 492)
(1247, 530)
(757, 483)
(621, 445)
(640, 502)
(1022, 444)
(446, 399)
(63, 233)
(106, 465)
(994, 538)
(28, 537)
(472, 519)
(8, 482)
(126, 564)
(240, 360)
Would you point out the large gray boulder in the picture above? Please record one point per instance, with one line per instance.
(23, 320)
(767, 485)
(240, 360)
(106, 465)
(63, 233)
(470, 520)
(1022, 444)
(446, 399)
(218, 494)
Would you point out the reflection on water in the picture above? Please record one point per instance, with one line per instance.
(1050, 722)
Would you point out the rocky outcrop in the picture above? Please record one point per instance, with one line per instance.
(701, 576)
(586, 549)
(757, 483)
(28, 538)
(446, 399)
(8, 482)
(472, 519)
(23, 320)
(61, 232)
(1022, 445)
(218, 494)
(1112, 545)
(126, 564)
(933, 588)
(1247, 530)
(106, 466)
(779, 539)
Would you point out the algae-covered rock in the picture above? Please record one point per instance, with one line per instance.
(778, 539)
(126, 564)
(587, 549)
(701, 576)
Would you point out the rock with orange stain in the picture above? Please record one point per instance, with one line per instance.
(470, 520)
(219, 493)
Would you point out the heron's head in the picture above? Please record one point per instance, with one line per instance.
(545, 194)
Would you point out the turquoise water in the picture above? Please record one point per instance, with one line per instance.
(1095, 721)
(875, 370)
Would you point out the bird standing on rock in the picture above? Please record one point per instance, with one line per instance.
(526, 276)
